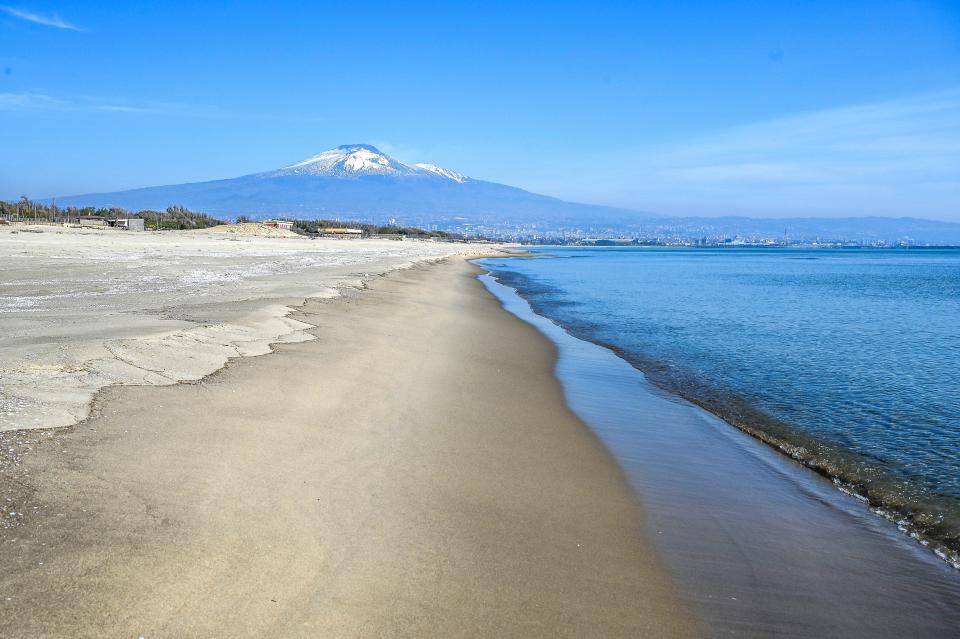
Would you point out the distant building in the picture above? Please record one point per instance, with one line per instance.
(280, 224)
(92, 220)
(341, 232)
(387, 236)
(96, 221)
(128, 224)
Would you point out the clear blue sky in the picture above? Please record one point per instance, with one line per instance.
(758, 108)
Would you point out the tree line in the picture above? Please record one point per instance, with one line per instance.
(313, 227)
(180, 218)
(173, 218)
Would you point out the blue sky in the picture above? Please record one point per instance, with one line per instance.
(689, 108)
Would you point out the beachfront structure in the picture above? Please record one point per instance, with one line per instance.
(96, 221)
(280, 224)
(128, 224)
(341, 232)
(92, 220)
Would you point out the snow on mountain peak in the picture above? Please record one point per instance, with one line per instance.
(362, 159)
(346, 160)
(442, 172)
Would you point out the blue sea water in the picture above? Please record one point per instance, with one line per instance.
(847, 359)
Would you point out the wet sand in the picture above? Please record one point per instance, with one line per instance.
(760, 545)
(413, 471)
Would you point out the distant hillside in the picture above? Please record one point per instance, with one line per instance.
(358, 182)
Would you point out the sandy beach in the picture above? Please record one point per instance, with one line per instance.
(82, 309)
(411, 471)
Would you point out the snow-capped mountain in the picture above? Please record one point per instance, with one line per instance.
(358, 181)
(353, 160)
(442, 172)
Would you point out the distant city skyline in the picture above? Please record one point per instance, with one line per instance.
(736, 108)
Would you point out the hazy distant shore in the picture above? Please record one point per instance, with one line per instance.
(412, 471)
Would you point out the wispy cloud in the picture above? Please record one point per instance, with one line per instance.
(51, 20)
(891, 157)
(28, 102)
(916, 134)
(41, 102)
(125, 108)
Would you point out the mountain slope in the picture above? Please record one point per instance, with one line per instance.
(358, 181)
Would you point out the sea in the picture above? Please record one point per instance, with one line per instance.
(805, 401)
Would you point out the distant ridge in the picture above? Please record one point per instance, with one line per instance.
(360, 182)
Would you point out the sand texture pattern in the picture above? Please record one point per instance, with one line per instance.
(412, 472)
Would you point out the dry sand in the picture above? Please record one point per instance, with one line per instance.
(251, 228)
(81, 309)
(413, 472)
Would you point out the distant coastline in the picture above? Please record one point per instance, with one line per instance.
(359, 182)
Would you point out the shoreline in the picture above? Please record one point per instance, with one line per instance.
(701, 464)
(916, 514)
(466, 500)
